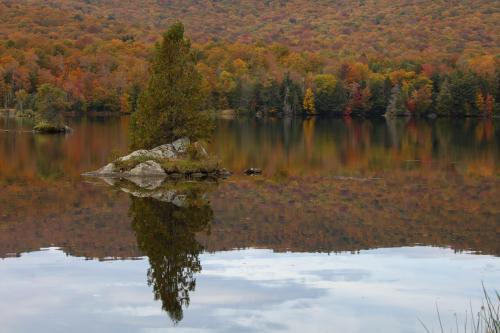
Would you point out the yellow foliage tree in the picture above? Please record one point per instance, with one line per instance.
(309, 101)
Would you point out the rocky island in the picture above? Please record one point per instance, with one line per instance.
(180, 159)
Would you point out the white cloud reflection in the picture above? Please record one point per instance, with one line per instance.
(382, 290)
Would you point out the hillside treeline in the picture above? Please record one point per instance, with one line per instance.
(443, 60)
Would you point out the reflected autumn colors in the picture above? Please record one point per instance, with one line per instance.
(37, 157)
(329, 185)
(359, 177)
(290, 146)
(166, 234)
(317, 146)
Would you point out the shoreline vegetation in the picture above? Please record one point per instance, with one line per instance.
(48, 128)
(456, 94)
(232, 114)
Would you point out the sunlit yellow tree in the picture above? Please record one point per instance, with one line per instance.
(309, 101)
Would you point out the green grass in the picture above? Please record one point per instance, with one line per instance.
(183, 166)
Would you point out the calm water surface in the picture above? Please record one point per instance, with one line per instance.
(355, 226)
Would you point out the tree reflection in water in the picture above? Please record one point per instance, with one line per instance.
(166, 233)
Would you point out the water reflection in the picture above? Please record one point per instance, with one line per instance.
(27, 156)
(359, 146)
(291, 146)
(330, 185)
(166, 234)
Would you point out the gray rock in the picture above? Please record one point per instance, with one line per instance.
(148, 183)
(179, 200)
(151, 168)
(181, 145)
(160, 152)
(135, 154)
(163, 151)
(136, 193)
(108, 169)
(166, 196)
(109, 181)
(148, 168)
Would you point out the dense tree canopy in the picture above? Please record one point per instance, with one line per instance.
(50, 102)
(97, 52)
(171, 105)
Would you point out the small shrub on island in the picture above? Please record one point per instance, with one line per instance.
(50, 103)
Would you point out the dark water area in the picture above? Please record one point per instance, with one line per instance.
(356, 225)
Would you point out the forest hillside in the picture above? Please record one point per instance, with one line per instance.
(354, 56)
(407, 28)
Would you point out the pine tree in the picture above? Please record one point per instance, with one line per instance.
(50, 103)
(444, 101)
(171, 105)
(291, 93)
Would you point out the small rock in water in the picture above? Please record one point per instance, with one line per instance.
(148, 168)
(107, 169)
(224, 173)
(253, 171)
(162, 161)
(148, 183)
(109, 181)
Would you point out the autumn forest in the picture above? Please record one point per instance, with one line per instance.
(338, 57)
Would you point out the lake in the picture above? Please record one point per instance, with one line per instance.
(356, 225)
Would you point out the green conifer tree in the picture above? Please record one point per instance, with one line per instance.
(444, 100)
(171, 105)
(50, 104)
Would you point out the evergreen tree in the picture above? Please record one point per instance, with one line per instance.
(133, 97)
(458, 95)
(292, 95)
(339, 98)
(331, 94)
(49, 105)
(378, 98)
(444, 101)
(171, 105)
(324, 85)
(166, 233)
